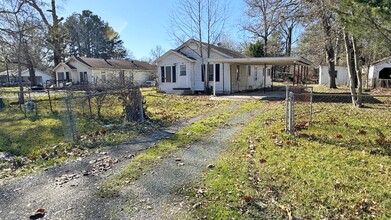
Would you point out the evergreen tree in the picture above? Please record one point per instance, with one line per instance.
(92, 37)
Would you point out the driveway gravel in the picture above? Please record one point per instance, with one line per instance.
(69, 191)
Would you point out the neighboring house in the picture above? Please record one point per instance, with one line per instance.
(41, 77)
(181, 70)
(380, 73)
(94, 71)
(341, 75)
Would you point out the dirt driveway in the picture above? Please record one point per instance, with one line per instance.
(69, 191)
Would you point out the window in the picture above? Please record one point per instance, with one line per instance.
(83, 77)
(217, 72)
(212, 69)
(67, 76)
(249, 70)
(237, 72)
(103, 78)
(162, 74)
(256, 73)
(173, 74)
(336, 73)
(210, 72)
(268, 72)
(168, 73)
(122, 75)
(202, 72)
(182, 70)
(60, 76)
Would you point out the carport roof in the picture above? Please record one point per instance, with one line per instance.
(265, 61)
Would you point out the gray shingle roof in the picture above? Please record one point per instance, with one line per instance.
(229, 52)
(226, 51)
(115, 64)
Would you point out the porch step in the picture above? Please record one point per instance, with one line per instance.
(183, 91)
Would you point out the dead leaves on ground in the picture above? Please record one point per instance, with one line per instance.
(301, 126)
(40, 213)
(99, 165)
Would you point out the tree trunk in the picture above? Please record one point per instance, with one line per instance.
(331, 62)
(358, 73)
(265, 45)
(329, 46)
(30, 64)
(56, 36)
(289, 42)
(352, 75)
(33, 80)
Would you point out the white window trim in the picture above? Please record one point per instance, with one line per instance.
(165, 74)
(180, 70)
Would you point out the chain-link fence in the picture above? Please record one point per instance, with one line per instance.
(77, 110)
(304, 106)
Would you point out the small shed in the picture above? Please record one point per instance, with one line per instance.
(341, 75)
(380, 73)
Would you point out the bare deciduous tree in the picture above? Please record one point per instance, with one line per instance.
(156, 53)
(322, 13)
(56, 33)
(201, 20)
(264, 18)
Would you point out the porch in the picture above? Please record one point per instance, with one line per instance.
(299, 71)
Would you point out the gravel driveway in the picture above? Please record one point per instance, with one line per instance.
(68, 191)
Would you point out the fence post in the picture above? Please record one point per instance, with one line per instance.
(71, 119)
(310, 108)
(140, 105)
(50, 102)
(89, 104)
(291, 113)
(286, 108)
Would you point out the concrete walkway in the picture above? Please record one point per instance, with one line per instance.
(246, 96)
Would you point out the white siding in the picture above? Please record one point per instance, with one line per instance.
(138, 77)
(80, 68)
(375, 69)
(181, 81)
(198, 85)
(341, 79)
(38, 74)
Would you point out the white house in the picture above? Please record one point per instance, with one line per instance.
(341, 75)
(93, 71)
(182, 70)
(12, 76)
(380, 73)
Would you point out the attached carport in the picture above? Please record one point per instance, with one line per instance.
(299, 71)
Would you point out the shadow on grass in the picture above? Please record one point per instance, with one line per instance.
(376, 146)
(337, 98)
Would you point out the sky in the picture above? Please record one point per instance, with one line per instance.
(144, 24)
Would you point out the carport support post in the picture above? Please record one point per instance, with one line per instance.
(294, 70)
(214, 82)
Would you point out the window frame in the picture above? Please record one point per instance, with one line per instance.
(58, 76)
(215, 71)
(181, 71)
(168, 77)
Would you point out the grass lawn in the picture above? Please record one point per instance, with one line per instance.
(181, 139)
(35, 136)
(338, 168)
